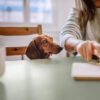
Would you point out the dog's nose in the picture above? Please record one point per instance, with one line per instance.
(60, 48)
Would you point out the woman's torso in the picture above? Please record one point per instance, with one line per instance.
(93, 28)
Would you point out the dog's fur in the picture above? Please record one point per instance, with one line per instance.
(42, 47)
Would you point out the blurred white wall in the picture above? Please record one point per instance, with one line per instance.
(64, 8)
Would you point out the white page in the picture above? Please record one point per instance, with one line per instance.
(85, 70)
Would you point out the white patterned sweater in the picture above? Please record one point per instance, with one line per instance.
(71, 28)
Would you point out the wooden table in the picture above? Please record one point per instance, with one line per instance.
(45, 80)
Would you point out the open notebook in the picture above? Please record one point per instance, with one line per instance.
(85, 71)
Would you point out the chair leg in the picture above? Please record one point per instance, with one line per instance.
(22, 57)
(67, 54)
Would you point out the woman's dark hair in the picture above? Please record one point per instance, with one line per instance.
(86, 12)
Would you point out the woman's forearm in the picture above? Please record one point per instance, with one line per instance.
(71, 43)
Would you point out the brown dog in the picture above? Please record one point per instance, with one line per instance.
(42, 47)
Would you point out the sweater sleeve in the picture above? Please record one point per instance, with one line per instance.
(71, 28)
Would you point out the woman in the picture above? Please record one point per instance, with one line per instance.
(81, 33)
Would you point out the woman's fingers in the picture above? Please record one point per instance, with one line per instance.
(80, 49)
(85, 49)
(89, 51)
(96, 47)
(96, 53)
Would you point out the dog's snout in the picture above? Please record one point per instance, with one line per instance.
(60, 48)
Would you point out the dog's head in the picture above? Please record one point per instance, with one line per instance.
(41, 47)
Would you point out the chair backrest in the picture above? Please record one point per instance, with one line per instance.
(19, 31)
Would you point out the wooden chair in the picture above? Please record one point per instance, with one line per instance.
(19, 31)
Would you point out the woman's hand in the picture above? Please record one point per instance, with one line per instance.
(88, 48)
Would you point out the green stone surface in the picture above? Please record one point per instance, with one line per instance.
(45, 80)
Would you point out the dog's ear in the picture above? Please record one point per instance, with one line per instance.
(32, 51)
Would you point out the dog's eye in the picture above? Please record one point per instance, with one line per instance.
(45, 41)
